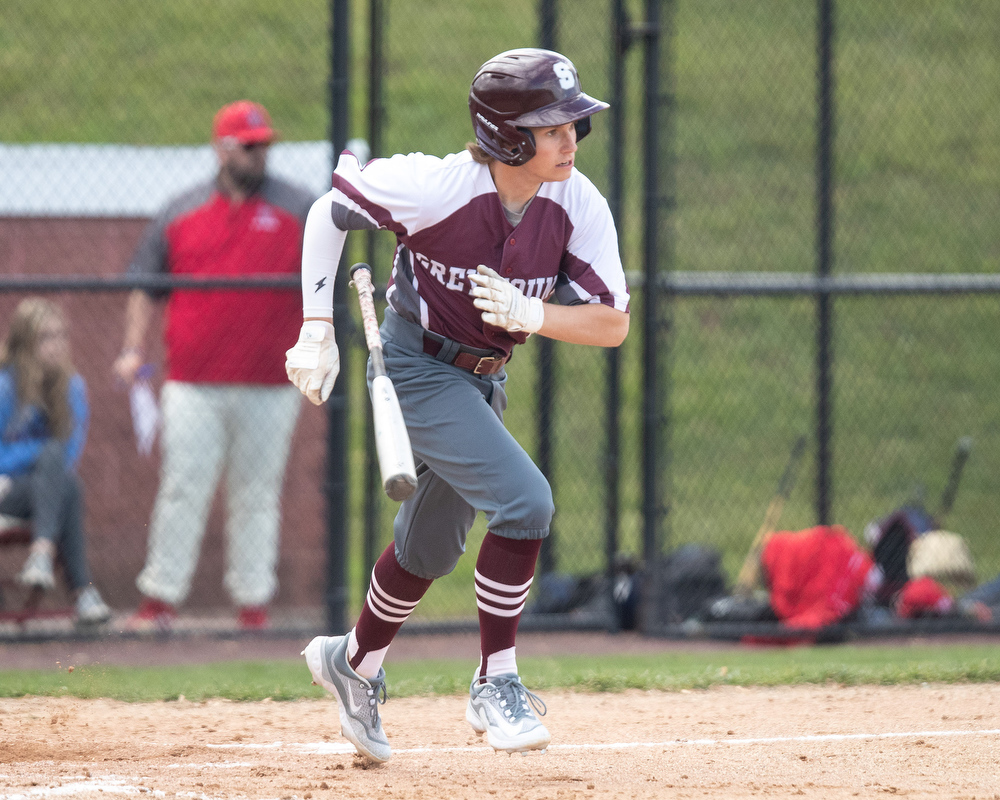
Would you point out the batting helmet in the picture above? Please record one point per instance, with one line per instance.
(521, 89)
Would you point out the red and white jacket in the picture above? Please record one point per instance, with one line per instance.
(220, 336)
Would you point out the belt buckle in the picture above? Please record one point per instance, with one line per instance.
(485, 362)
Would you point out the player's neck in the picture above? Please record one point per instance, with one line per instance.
(515, 189)
(235, 190)
(228, 187)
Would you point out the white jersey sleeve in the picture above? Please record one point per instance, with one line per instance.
(591, 270)
(322, 246)
(396, 193)
(381, 194)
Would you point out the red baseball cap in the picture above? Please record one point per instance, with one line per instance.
(245, 121)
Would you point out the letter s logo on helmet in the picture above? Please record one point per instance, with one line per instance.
(521, 89)
(565, 73)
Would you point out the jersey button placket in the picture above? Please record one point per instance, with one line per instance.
(505, 267)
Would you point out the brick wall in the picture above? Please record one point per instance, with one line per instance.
(120, 484)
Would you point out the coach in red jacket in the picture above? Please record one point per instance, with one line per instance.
(226, 402)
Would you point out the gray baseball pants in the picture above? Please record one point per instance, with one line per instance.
(467, 461)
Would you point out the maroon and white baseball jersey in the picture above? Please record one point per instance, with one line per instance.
(448, 219)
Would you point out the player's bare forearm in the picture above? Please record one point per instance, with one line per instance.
(590, 323)
(138, 312)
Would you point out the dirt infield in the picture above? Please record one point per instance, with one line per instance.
(931, 741)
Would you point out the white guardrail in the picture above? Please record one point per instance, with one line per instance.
(115, 180)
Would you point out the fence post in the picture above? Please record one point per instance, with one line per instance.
(376, 117)
(620, 42)
(548, 18)
(824, 260)
(337, 439)
(657, 259)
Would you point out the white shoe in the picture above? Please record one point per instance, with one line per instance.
(503, 709)
(357, 698)
(37, 572)
(90, 608)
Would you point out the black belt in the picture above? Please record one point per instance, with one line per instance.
(473, 359)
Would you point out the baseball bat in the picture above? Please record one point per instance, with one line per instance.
(962, 449)
(392, 442)
(749, 572)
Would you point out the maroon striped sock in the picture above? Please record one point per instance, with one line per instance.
(504, 572)
(392, 594)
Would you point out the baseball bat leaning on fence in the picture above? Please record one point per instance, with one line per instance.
(749, 573)
(392, 442)
(962, 449)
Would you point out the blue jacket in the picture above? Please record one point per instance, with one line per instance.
(25, 431)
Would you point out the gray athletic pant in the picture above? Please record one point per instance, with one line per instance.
(466, 459)
(50, 496)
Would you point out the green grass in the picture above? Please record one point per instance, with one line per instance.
(155, 73)
(668, 671)
(917, 168)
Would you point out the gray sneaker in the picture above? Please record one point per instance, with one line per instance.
(90, 608)
(37, 572)
(357, 698)
(502, 709)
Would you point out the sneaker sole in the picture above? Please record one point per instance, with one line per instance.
(37, 582)
(314, 660)
(539, 742)
(98, 620)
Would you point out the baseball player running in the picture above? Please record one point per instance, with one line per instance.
(485, 238)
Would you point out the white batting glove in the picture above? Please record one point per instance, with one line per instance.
(314, 363)
(503, 304)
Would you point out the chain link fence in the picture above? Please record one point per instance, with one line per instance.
(913, 171)
(95, 140)
(107, 117)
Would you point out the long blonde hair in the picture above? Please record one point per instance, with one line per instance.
(479, 155)
(39, 384)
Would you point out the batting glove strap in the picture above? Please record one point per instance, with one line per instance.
(503, 304)
(314, 363)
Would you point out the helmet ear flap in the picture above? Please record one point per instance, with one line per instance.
(582, 127)
(528, 147)
(519, 150)
(505, 142)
